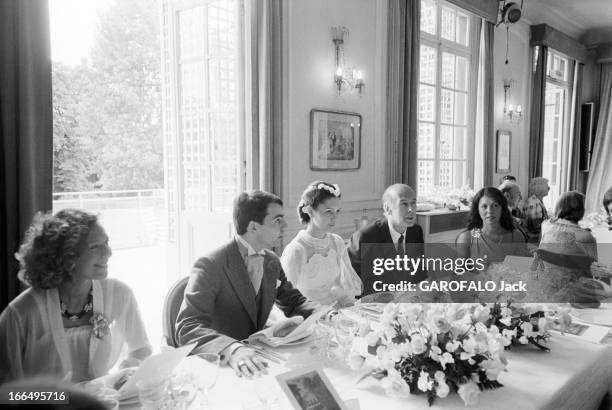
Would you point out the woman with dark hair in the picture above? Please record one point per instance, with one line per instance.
(569, 210)
(316, 261)
(73, 322)
(490, 232)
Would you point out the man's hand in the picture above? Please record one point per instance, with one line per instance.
(246, 362)
(589, 290)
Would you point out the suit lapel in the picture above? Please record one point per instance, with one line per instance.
(268, 288)
(237, 274)
(385, 234)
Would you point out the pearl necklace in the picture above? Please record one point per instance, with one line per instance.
(87, 307)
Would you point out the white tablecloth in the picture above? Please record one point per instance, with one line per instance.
(574, 375)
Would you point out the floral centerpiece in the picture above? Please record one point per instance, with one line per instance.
(450, 198)
(528, 323)
(432, 349)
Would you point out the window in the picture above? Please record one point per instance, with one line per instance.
(445, 135)
(202, 105)
(555, 126)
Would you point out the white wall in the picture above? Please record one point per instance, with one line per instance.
(308, 83)
(517, 69)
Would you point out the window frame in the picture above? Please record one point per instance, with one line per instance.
(442, 45)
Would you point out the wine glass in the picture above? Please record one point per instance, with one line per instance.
(207, 376)
(267, 391)
(346, 329)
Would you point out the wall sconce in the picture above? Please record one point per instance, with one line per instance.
(353, 78)
(511, 113)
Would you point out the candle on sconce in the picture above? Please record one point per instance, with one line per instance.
(359, 75)
(519, 109)
(339, 72)
(511, 108)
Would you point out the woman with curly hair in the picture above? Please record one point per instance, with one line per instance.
(490, 232)
(72, 322)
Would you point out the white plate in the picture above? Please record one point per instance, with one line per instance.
(600, 316)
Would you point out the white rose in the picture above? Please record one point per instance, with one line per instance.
(445, 359)
(442, 390)
(492, 368)
(439, 376)
(452, 346)
(418, 344)
(424, 384)
(469, 393)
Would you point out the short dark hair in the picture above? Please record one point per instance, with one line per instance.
(607, 199)
(53, 245)
(510, 178)
(313, 196)
(475, 221)
(252, 206)
(570, 206)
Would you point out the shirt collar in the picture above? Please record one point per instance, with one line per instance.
(395, 234)
(246, 249)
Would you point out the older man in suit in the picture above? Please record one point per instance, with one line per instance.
(397, 234)
(230, 292)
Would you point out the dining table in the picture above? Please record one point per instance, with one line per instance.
(574, 374)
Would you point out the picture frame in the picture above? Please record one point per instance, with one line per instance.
(335, 140)
(309, 387)
(502, 151)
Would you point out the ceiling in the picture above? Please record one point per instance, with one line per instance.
(589, 21)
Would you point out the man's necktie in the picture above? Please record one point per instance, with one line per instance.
(400, 245)
(255, 270)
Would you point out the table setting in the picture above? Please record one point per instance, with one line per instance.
(394, 356)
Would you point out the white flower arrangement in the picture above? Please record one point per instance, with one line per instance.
(432, 349)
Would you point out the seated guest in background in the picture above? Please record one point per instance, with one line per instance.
(512, 193)
(316, 261)
(607, 204)
(230, 292)
(73, 322)
(534, 209)
(569, 210)
(510, 178)
(399, 230)
(490, 230)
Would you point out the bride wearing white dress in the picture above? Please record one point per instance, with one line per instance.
(316, 261)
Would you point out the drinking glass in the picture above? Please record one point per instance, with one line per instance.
(267, 391)
(151, 392)
(345, 332)
(181, 391)
(207, 376)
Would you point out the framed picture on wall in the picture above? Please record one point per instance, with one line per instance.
(502, 157)
(335, 140)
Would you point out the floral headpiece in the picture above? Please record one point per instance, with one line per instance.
(333, 189)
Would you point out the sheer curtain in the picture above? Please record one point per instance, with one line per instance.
(264, 94)
(26, 128)
(404, 26)
(600, 177)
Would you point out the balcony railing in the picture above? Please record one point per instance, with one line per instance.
(132, 218)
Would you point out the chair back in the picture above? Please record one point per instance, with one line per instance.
(172, 305)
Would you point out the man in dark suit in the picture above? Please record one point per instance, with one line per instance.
(397, 234)
(230, 292)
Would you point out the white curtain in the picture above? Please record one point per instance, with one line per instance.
(600, 177)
